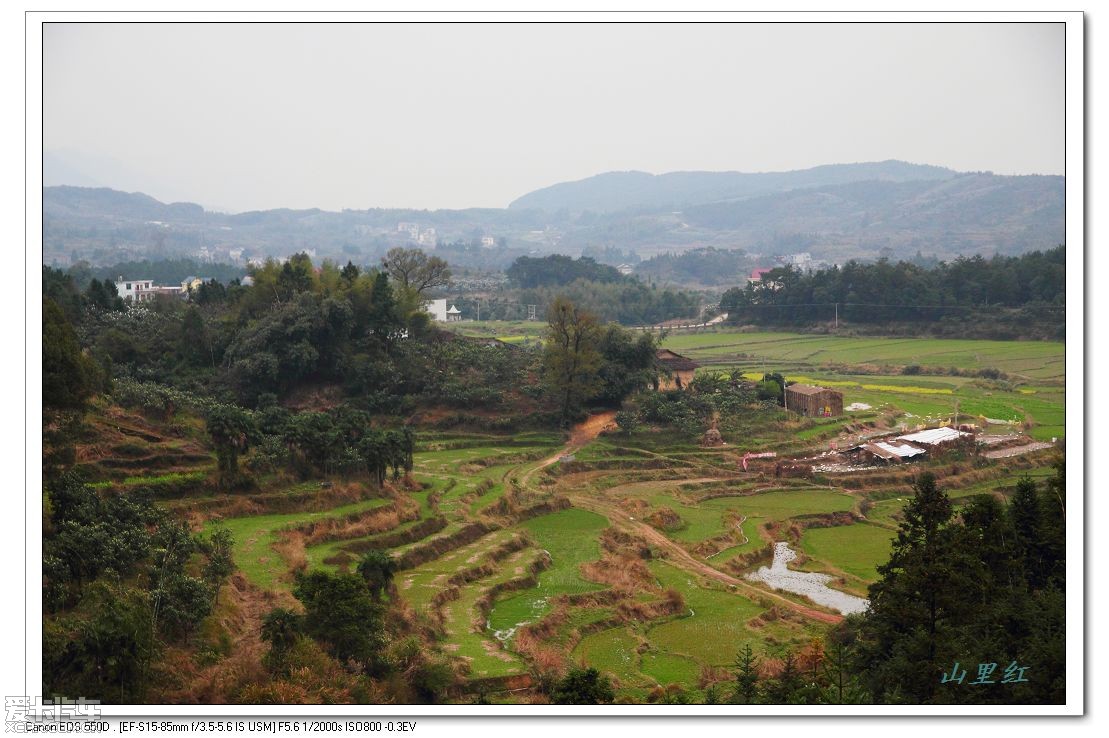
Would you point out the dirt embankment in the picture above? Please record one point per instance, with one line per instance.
(583, 433)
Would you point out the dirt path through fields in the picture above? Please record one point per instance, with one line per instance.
(581, 434)
(685, 560)
(589, 429)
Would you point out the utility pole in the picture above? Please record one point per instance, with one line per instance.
(837, 316)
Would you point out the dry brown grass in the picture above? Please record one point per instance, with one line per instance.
(290, 546)
(627, 574)
(635, 506)
(280, 501)
(179, 679)
(664, 519)
(355, 526)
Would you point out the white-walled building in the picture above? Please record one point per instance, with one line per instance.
(438, 309)
(440, 312)
(144, 290)
(135, 290)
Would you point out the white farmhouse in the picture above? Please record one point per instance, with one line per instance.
(135, 290)
(144, 290)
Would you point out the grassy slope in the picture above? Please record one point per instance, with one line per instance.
(255, 535)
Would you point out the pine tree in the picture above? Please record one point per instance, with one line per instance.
(747, 678)
(786, 688)
(910, 635)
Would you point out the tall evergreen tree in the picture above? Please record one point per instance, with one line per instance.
(918, 604)
(747, 690)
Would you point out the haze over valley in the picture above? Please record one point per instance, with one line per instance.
(832, 213)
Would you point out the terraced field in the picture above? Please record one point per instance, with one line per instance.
(570, 539)
(633, 555)
(256, 535)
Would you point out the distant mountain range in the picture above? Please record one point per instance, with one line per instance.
(614, 191)
(834, 213)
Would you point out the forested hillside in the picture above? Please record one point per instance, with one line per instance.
(1002, 297)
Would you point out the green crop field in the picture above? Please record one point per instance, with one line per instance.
(485, 655)
(784, 503)
(613, 651)
(853, 549)
(669, 668)
(1041, 360)
(570, 537)
(1034, 390)
(509, 331)
(750, 529)
(716, 627)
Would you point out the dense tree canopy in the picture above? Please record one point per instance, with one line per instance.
(340, 611)
(886, 292)
(985, 586)
(706, 266)
(557, 270)
(69, 376)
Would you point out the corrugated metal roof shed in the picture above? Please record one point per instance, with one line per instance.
(933, 436)
(879, 451)
(904, 450)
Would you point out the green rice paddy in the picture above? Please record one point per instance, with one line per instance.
(853, 549)
(570, 537)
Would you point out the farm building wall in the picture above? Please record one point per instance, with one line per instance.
(821, 403)
(678, 380)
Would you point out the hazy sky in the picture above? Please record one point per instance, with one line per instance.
(240, 117)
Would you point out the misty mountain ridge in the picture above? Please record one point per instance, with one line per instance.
(834, 213)
(616, 191)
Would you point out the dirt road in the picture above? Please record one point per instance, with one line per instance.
(581, 434)
(685, 560)
(589, 429)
